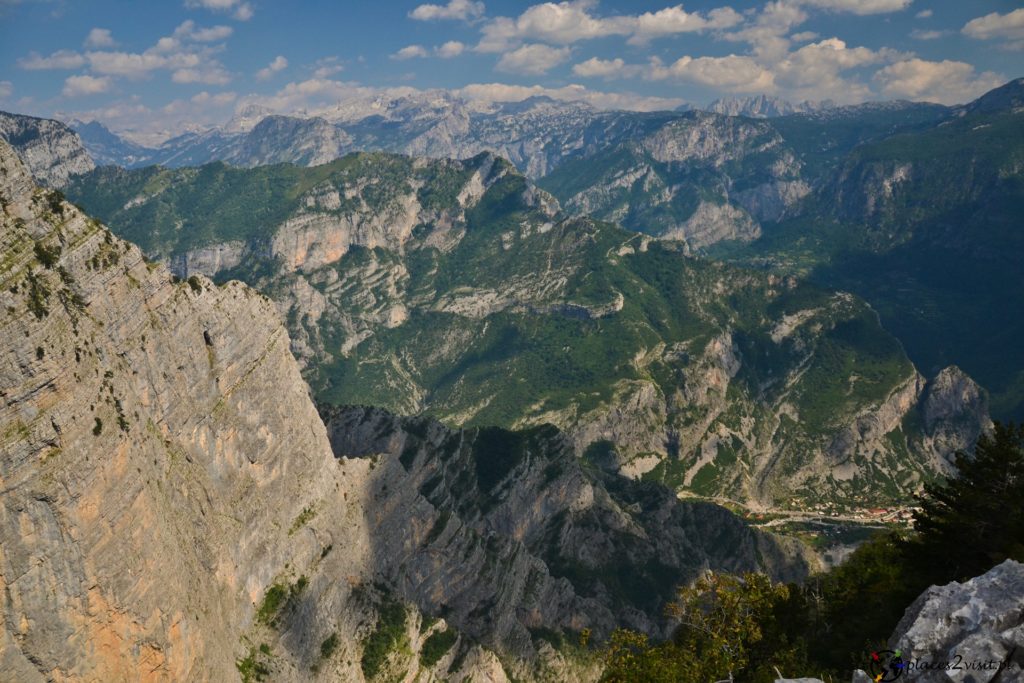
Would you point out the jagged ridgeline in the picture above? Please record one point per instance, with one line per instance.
(458, 289)
(175, 508)
(927, 226)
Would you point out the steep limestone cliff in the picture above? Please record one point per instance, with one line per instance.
(147, 484)
(52, 151)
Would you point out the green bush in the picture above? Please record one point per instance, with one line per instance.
(437, 646)
(388, 636)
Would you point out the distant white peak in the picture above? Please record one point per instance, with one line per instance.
(764, 106)
(246, 118)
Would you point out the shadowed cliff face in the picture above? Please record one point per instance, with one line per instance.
(506, 532)
(170, 500)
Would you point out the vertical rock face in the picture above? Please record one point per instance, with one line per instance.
(147, 485)
(977, 625)
(52, 151)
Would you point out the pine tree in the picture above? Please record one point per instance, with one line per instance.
(976, 520)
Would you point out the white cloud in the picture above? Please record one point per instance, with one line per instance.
(185, 53)
(410, 52)
(326, 67)
(924, 14)
(452, 48)
(804, 36)
(606, 68)
(946, 82)
(61, 59)
(767, 32)
(995, 25)
(735, 73)
(75, 86)
(217, 99)
(6, 88)
(534, 59)
(462, 10)
(240, 10)
(859, 6)
(99, 37)
(128, 64)
(567, 22)
(673, 20)
(817, 71)
(208, 74)
(279, 64)
(920, 34)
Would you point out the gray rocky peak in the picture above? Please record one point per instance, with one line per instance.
(51, 151)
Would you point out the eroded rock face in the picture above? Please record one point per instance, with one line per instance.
(701, 178)
(51, 151)
(147, 484)
(978, 624)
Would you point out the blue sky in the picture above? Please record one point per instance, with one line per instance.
(156, 68)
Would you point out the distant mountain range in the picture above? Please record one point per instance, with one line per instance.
(764, 106)
(536, 134)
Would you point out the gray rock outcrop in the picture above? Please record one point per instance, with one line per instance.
(977, 627)
(52, 151)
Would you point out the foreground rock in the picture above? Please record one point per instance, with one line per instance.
(977, 626)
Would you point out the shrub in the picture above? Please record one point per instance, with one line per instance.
(437, 646)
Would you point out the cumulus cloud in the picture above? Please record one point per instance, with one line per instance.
(452, 48)
(61, 59)
(567, 22)
(946, 82)
(76, 86)
(606, 68)
(804, 36)
(859, 6)
(924, 14)
(410, 52)
(220, 99)
(239, 9)
(266, 73)
(818, 70)
(462, 10)
(996, 26)
(327, 67)
(208, 75)
(99, 37)
(186, 53)
(735, 73)
(921, 34)
(534, 59)
(767, 31)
